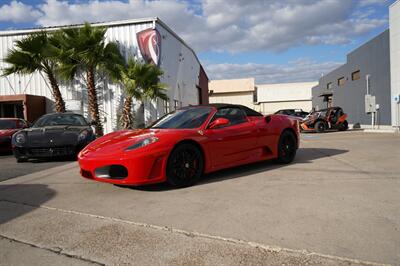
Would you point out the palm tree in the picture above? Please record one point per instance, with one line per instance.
(85, 49)
(140, 81)
(30, 56)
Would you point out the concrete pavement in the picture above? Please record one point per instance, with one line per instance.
(340, 197)
(9, 168)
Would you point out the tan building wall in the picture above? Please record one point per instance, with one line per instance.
(243, 98)
(234, 91)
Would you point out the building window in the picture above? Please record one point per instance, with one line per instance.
(176, 104)
(340, 82)
(255, 95)
(355, 75)
(166, 107)
(329, 86)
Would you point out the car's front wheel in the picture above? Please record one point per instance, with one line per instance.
(320, 126)
(21, 159)
(344, 126)
(287, 147)
(185, 165)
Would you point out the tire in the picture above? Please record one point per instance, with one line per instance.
(22, 160)
(344, 126)
(320, 126)
(185, 165)
(287, 147)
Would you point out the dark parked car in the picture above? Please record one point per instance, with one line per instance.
(293, 112)
(8, 126)
(53, 135)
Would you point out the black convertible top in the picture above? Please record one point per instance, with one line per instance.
(247, 110)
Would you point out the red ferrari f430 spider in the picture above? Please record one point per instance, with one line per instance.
(183, 145)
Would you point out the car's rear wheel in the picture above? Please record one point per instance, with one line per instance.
(287, 147)
(185, 165)
(320, 126)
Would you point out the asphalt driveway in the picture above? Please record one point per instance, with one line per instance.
(9, 168)
(340, 197)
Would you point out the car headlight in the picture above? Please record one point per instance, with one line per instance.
(20, 138)
(142, 143)
(83, 135)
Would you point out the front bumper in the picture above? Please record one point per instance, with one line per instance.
(5, 144)
(45, 152)
(140, 169)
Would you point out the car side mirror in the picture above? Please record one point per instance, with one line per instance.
(219, 122)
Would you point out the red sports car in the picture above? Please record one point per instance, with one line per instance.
(8, 126)
(183, 145)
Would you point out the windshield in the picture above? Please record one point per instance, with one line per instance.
(8, 124)
(184, 118)
(61, 120)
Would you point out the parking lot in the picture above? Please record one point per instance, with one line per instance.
(10, 168)
(338, 200)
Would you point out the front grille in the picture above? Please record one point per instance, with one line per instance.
(54, 151)
(113, 171)
(4, 143)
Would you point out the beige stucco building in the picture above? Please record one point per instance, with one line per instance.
(235, 91)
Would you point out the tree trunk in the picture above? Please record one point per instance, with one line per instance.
(127, 118)
(60, 104)
(93, 104)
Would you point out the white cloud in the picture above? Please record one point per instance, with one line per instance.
(301, 70)
(18, 12)
(234, 25)
(372, 2)
(220, 25)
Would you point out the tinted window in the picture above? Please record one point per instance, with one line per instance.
(234, 115)
(184, 118)
(61, 120)
(8, 124)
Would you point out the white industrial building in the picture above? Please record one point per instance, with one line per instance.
(274, 97)
(187, 82)
(265, 98)
(394, 31)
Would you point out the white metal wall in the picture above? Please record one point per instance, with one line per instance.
(180, 66)
(394, 22)
(272, 107)
(285, 92)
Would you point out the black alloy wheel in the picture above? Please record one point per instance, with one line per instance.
(287, 147)
(185, 165)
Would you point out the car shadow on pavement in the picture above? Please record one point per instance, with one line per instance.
(304, 155)
(19, 199)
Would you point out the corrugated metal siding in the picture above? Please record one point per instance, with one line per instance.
(180, 66)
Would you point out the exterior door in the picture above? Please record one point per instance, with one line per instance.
(234, 142)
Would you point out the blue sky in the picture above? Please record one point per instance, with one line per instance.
(271, 40)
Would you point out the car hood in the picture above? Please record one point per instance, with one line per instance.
(119, 140)
(7, 132)
(53, 135)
